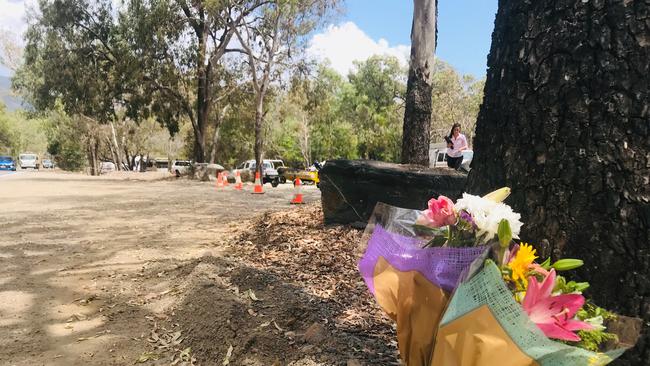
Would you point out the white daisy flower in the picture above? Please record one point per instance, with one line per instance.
(487, 214)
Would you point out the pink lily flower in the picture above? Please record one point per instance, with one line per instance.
(554, 315)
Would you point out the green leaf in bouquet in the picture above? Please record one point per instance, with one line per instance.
(546, 264)
(570, 287)
(437, 241)
(577, 286)
(560, 284)
(567, 264)
(595, 339)
(592, 340)
(425, 229)
(504, 232)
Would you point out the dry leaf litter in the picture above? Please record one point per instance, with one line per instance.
(286, 292)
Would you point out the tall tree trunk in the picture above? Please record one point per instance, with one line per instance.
(202, 99)
(215, 141)
(565, 123)
(127, 156)
(92, 148)
(259, 122)
(305, 141)
(215, 136)
(417, 114)
(116, 148)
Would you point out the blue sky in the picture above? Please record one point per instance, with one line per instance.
(464, 27)
(371, 27)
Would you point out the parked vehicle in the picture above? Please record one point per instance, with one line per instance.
(306, 176)
(440, 159)
(205, 171)
(28, 160)
(106, 167)
(269, 173)
(276, 163)
(181, 167)
(48, 164)
(7, 163)
(161, 164)
(468, 155)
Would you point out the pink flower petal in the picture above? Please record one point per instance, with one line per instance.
(574, 325)
(556, 332)
(548, 284)
(532, 294)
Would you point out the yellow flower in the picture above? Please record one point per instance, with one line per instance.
(599, 359)
(520, 263)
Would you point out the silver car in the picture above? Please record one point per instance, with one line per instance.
(47, 164)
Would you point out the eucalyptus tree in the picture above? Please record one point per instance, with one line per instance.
(374, 104)
(272, 40)
(70, 58)
(179, 46)
(417, 116)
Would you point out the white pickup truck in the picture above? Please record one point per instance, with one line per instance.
(28, 160)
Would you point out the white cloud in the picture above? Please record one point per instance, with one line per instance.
(346, 43)
(12, 16)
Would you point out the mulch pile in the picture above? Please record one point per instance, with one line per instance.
(297, 248)
(286, 291)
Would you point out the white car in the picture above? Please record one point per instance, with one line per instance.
(28, 161)
(180, 167)
(106, 167)
(468, 155)
(440, 159)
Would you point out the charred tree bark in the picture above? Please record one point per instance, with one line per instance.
(565, 123)
(417, 114)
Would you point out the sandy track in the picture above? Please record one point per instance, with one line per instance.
(80, 258)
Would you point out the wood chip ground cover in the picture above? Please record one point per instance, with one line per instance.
(287, 292)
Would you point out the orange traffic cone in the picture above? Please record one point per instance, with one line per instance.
(238, 184)
(258, 184)
(224, 178)
(219, 181)
(297, 198)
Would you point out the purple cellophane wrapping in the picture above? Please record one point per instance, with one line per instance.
(443, 266)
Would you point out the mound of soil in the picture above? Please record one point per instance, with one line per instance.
(288, 293)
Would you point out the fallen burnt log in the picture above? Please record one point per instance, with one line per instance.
(350, 189)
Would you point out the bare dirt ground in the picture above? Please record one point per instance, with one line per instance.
(132, 268)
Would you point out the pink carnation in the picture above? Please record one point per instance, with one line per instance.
(440, 213)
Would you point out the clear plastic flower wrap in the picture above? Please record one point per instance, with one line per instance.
(463, 292)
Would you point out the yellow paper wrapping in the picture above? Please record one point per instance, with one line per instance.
(477, 339)
(416, 305)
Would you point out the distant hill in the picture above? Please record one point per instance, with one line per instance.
(11, 101)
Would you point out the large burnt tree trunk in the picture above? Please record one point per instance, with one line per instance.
(565, 123)
(417, 114)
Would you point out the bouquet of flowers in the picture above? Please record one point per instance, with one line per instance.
(465, 291)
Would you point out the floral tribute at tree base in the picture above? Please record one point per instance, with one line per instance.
(464, 290)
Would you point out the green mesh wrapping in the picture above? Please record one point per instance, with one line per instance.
(488, 288)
